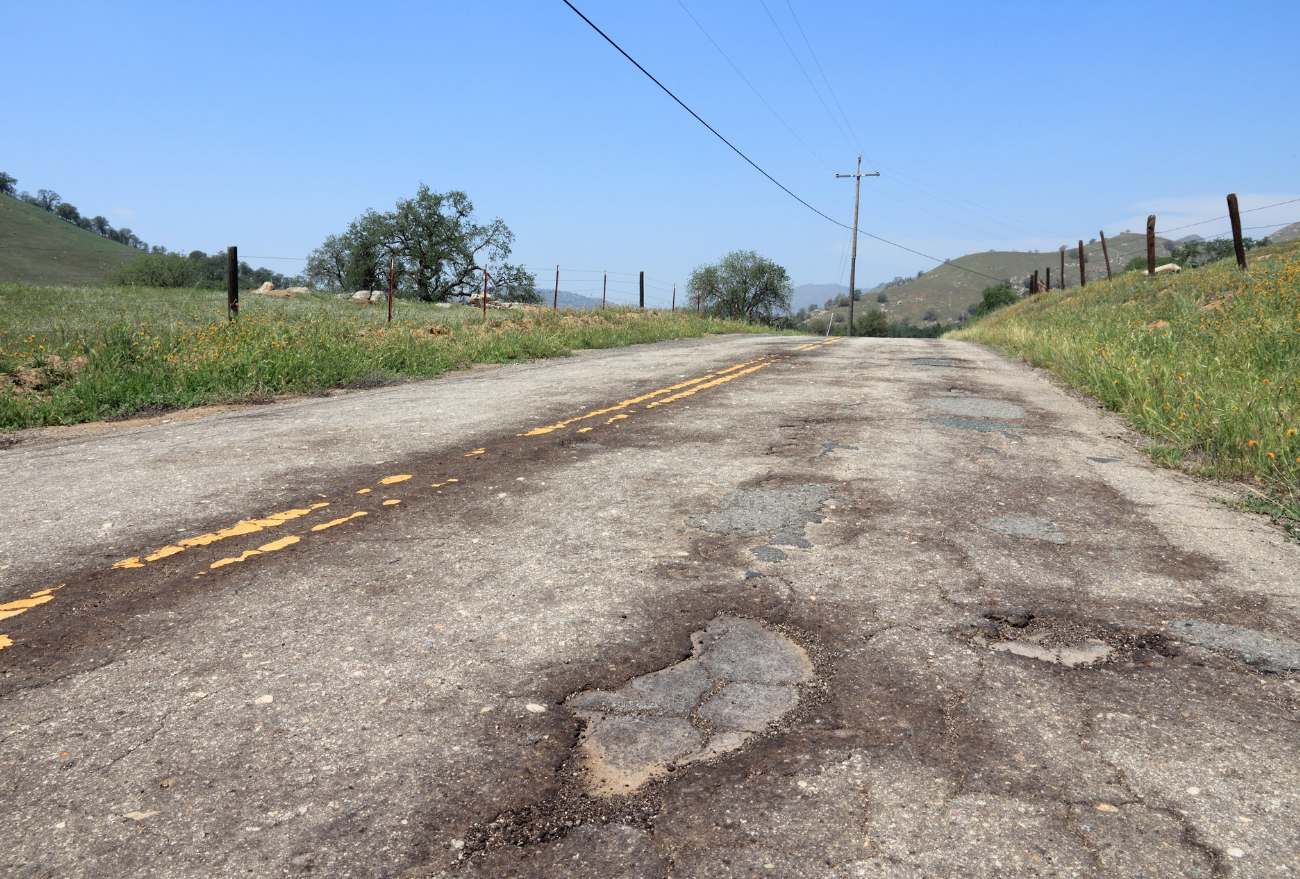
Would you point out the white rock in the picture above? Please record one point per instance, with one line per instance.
(361, 296)
(1169, 267)
(267, 287)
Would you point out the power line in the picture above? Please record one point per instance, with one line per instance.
(805, 74)
(823, 73)
(697, 117)
(752, 87)
(1225, 216)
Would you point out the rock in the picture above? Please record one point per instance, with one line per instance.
(297, 290)
(378, 295)
(361, 296)
(1168, 267)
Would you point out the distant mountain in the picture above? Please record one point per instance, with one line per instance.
(40, 248)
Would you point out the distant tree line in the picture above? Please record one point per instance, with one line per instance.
(50, 201)
(197, 269)
(435, 246)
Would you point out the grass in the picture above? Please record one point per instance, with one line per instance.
(154, 350)
(37, 247)
(1204, 362)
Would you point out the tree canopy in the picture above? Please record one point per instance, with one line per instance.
(742, 284)
(434, 244)
(996, 296)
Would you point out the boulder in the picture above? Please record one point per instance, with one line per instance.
(361, 296)
(265, 288)
(297, 290)
(378, 295)
(1169, 267)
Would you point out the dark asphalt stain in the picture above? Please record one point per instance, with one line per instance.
(928, 362)
(768, 554)
(831, 447)
(1103, 460)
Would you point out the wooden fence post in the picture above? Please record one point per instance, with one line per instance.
(1049, 278)
(1151, 244)
(1062, 268)
(643, 289)
(555, 303)
(1083, 279)
(232, 283)
(1237, 243)
(1106, 253)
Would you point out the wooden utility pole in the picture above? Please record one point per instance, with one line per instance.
(604, 289)
(674, 305)
(1151, 244)
(643, 289)
(1237, 243)
(1083, 279)
(1062, 268)
(555, 303)
(232, 283)
(392, 262)
(853, 260)
(484, 293)
(1106, 253)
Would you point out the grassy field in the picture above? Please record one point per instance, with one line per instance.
(1204, 362)
(69, 355)
(38, 248)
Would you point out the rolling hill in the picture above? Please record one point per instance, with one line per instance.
(950, 291)
(38, 248)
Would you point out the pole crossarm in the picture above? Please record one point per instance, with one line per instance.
(853, 260)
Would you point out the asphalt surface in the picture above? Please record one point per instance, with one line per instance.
(742, 606)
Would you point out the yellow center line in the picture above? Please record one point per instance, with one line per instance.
(324, 525)
(392, 480)
(538, 431)
(712, 384)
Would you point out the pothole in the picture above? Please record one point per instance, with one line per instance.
(1266, 652)
(777, 513)
(1060, 640)
(739, 679)
(1024, 527)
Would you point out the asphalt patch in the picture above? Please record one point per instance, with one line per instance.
(926, 362)
(779, 514)
(831, 447)
(1025, 527)
(971, 424)
(974, 407)
(1103, 460)
(1265, 652)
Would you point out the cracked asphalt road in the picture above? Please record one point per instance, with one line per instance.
(1032, 651)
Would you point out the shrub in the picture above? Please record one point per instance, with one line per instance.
(873, 323)
(994, 297)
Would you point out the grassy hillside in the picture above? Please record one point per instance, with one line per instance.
(38, 248)
(1206, 362)
(950, 291)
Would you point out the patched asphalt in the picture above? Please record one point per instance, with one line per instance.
(742, 606)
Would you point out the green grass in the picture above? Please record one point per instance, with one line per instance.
(148, 349)
(37, 247)
(1204, 362)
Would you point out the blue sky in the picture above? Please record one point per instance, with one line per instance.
(995, 125)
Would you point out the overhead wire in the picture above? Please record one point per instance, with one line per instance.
(804, 72)
(823, 73)
(753, 88)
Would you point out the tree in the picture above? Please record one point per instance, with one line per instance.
(931, 315)
(743, 283)
(68, 213)
(47, 199)
(8, 184)
(99, 225)
(515, 284)
(996, 296)
(881, 297)
(327, 265)
(159, 270)
(873, 323)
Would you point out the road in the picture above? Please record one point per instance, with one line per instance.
(740, 606)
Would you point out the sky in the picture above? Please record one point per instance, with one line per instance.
(995, 125)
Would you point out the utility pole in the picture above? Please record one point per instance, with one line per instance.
(643, 287)
(853, 260)
(232, 282)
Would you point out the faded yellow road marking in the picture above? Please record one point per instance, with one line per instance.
(391, 502)
(164, 552)
(538, 431)
(279, 544)
(363, 491)
(324, 525)
(248, 554)
(13, 608)
(392, 480)
(712, 384)
(476, 452)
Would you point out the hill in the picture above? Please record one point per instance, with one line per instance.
(1286, 233)
(951, 291)
(37, 247)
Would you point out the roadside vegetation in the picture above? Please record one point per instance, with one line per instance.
(1204, 361)
(70, 355)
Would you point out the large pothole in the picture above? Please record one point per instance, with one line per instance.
(739, 679)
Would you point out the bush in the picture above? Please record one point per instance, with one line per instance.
(159, 270)
(996, 296)
(873, 323)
